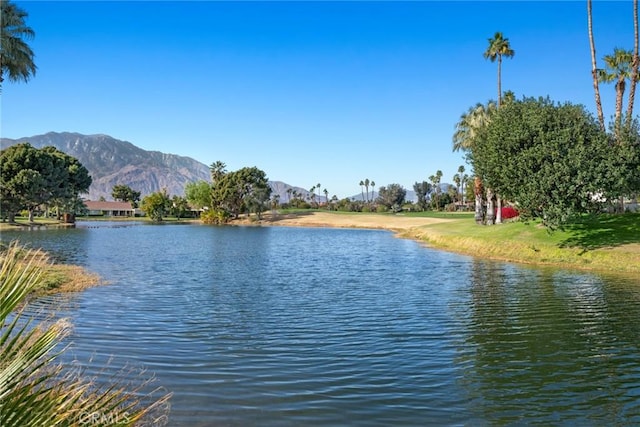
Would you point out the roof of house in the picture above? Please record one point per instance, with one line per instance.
(108, 206)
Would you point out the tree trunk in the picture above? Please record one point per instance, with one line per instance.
(634, 64)
(594, 70)
(499, 209)
(490, 213)
(30, 215)
(477, 188)
(11, 217)
(499, 80)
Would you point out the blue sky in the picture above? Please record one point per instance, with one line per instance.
(309, 92)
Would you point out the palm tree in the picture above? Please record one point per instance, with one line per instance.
(217, 170)
(366, 185)
(498, 47)
(289, 191)
(373, 186)
(594, 69)
(618, 69)
(318, 188)
(16, 57)
(362, 189)
(465, 135)
(326, 196)
(635, 62)
(470, 124)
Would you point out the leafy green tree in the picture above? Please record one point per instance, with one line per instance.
(422, 189)
(499, 46)
(551, 160)
(235, 191)
(30, 177)
(157, 205)
(199, 194)
(179, 207)
(392, 196)
(124, 193)
(435, 188)
(16, 57)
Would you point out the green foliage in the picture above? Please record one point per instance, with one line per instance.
(124, 193)
(422, 190)
(199, 194)
(551, 160)
(179, 207)
(215, 216)
(244, 189)
(34, 391)
(17, 56)
(156, 205)
(30, 177)
(392, 196)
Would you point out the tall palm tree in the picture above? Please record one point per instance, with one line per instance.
(362, 189)
(498, 47)
(635, 62)
(594, 68)
(465, 136)
(373, 186)
(326, 196)
(16, 57)
(618, 70)
(366, 186)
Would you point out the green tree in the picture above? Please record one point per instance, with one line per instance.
(239, 190)
(179, 207)
(156, 205)
(392, 196)
(435, 188)
(362, 189)
(551, 160)
(199, 194)
(499, 46)
(30, 177)
(422, 189)
(16, 57)
(124, 193)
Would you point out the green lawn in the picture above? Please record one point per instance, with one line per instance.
(604, 242)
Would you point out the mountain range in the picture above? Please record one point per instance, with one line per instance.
(111, 162)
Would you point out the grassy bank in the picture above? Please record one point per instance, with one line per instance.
(602, 243)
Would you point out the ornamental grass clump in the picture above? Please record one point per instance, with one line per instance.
(37, 391)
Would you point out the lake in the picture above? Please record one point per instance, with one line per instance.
(279, 326)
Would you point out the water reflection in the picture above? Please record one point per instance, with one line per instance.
(550, 346)
(279, 326)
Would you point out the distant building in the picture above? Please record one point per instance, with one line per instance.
(110, 208)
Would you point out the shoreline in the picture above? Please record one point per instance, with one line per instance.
(428, 231)
(462, 236)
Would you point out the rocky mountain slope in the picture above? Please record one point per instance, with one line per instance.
(111, 161)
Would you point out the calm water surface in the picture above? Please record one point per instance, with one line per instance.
(300, 326)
